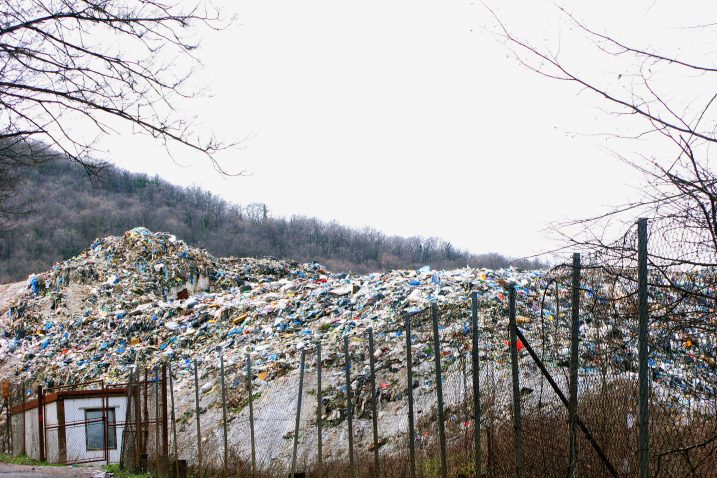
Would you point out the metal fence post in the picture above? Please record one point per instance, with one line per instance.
(137, 411)
(251, 414)
(7, 393)
(374, 411)
(298, 413)
(165, 422)
(199, 424)
(318, 409)
(574, 337)
(224, 417)
(23, 451)
(409, 377)
(349, 405)
(642, 345)
(490, 432)
(439, 391)
(145, 411)
(476, 383)
(105, 427)
(156, 422)
(174, 423)
(517, 426)
(41, 421)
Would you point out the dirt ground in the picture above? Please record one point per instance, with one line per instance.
(26, 471)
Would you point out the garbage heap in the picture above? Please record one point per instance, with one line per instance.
(147, 298)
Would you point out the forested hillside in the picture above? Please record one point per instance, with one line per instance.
(62, 212)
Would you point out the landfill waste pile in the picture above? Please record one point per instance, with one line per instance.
(145, 298)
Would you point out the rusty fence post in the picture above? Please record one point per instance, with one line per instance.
(137, 412)
(106, 428)
(23, 450)
(6, 391)
(41, 421)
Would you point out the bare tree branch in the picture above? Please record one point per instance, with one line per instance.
(84, 62)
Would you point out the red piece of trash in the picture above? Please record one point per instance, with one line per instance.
(519, 346)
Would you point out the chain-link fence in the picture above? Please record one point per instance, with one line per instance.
(602, 366)
(529, 435)
(146, 431)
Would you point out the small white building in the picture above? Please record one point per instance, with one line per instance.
(69, 426)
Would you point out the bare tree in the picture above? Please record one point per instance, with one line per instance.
(680, 194)
(73, 70)
(679, 197)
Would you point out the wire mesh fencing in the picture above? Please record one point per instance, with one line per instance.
(146, 433)
(602, 366)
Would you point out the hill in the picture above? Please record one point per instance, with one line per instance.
(63, 211)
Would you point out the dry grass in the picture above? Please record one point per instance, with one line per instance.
(680, 445)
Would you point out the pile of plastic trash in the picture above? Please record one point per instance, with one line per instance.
(146, 298)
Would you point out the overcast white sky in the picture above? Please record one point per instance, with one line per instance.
(408, 116)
